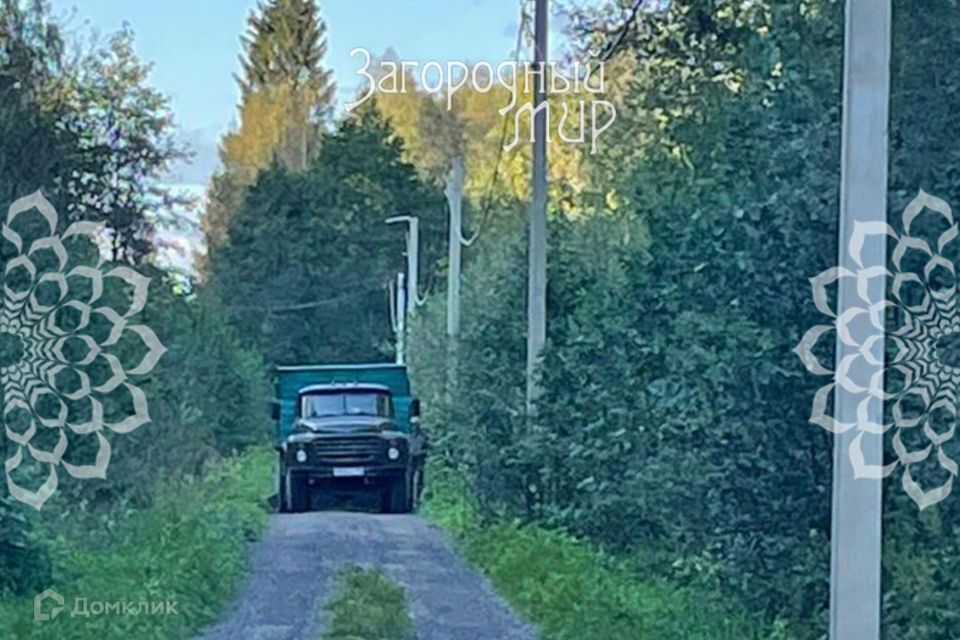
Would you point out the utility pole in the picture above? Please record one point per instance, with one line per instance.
(413, 259)
(400, 318)
(537, 250)
(454, 193)
(855, 541)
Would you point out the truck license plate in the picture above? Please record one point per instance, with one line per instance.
(347, 472)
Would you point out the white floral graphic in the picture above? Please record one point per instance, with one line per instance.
(42, 322)
(915, 319)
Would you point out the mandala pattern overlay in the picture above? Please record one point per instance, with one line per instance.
(41, 371)
(913, 315)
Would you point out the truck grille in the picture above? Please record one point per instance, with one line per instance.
(346, 451)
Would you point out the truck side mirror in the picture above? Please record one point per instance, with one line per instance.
(274, 410)
(415, 410)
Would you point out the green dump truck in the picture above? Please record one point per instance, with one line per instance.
(348, 428)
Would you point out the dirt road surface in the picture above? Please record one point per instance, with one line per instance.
(293, 565)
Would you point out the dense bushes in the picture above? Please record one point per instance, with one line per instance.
(81, 123)
(24, 559)
(653, 432)
(674, 417)
(208, 394)
(206, 399)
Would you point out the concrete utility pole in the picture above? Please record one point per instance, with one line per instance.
(537, 277)
(413, 259)
(400, 319)
(855, 538)
(454, 193)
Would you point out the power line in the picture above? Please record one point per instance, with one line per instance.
(488, 198)
(307, 305)
(322, 303)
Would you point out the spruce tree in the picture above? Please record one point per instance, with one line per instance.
(284, 49)
(286, 42)
(286, 93)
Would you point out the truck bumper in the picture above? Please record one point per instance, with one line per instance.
(348, 477)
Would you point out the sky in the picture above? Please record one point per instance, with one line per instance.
(194, 47)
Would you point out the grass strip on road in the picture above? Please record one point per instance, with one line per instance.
(367, 606)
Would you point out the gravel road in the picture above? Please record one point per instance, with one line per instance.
(293, 565)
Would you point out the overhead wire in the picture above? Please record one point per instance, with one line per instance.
(488, 198)
(360, 287)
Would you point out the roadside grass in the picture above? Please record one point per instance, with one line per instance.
(571, 591)
(367, 606)
(187, 548)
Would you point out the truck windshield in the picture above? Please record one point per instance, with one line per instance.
(354, 403)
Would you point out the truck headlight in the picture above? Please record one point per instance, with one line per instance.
(301, 455)
(393, 453)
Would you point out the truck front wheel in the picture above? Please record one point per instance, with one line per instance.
(397, 497)
(417, 489)
(297, 494)
(282, 505)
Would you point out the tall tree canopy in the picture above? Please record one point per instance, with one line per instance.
(305, 265)
(87, 130)
(92, 134)
(286, 42)
(284, 49)
(286, 96)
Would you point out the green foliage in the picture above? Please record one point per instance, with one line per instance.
(640, 432)
(86, 129)
(194, 424)
(286, 42)
(24, 560)
(123, 138)
(207, 399)
(921, 550)
(30, 53)
(89, 131)
(287, 95)
(367, 606)
(305, 265)
(572, 591)
(921, 561)
(188, 547)
(674, 420)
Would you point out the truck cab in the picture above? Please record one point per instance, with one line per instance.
(347, 428)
